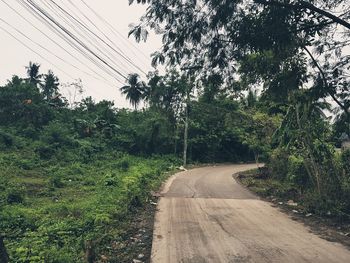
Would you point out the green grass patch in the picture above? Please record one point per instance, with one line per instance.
(49, 210)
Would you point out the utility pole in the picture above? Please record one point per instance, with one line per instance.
(186, 128)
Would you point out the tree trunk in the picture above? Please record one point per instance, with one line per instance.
(4, 258)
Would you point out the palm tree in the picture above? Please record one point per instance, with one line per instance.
(50, 85)
(33, 73)
(134, 91)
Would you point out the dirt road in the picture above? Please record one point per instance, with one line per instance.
(206, 216)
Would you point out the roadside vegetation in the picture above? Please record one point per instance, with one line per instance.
(74, 176)
(70, 182)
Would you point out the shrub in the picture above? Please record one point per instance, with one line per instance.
(30, 132)
(124, 164)
(297, 173)
(56, 181)
(26, 164)
(111, 180)
(6, 139)
(345, 160)
(56, 133)
(45, 152)
(278, 163)
(15, 196)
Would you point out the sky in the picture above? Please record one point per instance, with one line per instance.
(65, 61)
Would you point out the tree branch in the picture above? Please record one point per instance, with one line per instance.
(325, 82)
(305, 5)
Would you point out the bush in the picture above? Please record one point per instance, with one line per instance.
(45, 152)
(297, 173)
(111, 180)
(345, 159)
(6, 139)
(15, 196)
(56, 133)
(124, 164)
(30, 132)
(56, 181)
(26, 164)
(278, 163)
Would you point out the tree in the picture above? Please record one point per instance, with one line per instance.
(33, 73)
(134, 90)
(22, 102)
(50, 86)
(305, 130)
(280, 37)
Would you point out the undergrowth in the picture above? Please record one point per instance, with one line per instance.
(51, 208)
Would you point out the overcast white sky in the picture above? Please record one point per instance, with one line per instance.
(14, 56)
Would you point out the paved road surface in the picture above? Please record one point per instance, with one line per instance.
(205, 216)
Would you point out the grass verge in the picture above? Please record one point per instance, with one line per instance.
(74, 211)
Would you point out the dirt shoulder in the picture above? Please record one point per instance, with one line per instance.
(136, 243)
(327, 227)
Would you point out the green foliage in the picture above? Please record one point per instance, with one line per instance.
(76, 174)
(134, 91)
(216, 132)
(345, 161)
(56, 181)
(14, 197)
(278, 163)
(66, 174)
(6, 140)
(68, 203)
(260, 128)
(297, 173)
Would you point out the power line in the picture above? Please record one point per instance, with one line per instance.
(67, 32)
(97, 36)
(88, 39)
(64, 72)
(35, 52)
(88, 21)
(49, 51)
(63, 37)
(106, 36)
(114, 30)
(68, 40)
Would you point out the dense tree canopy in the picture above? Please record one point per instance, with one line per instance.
(276, 44)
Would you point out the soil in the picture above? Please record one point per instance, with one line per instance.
(136, 243)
